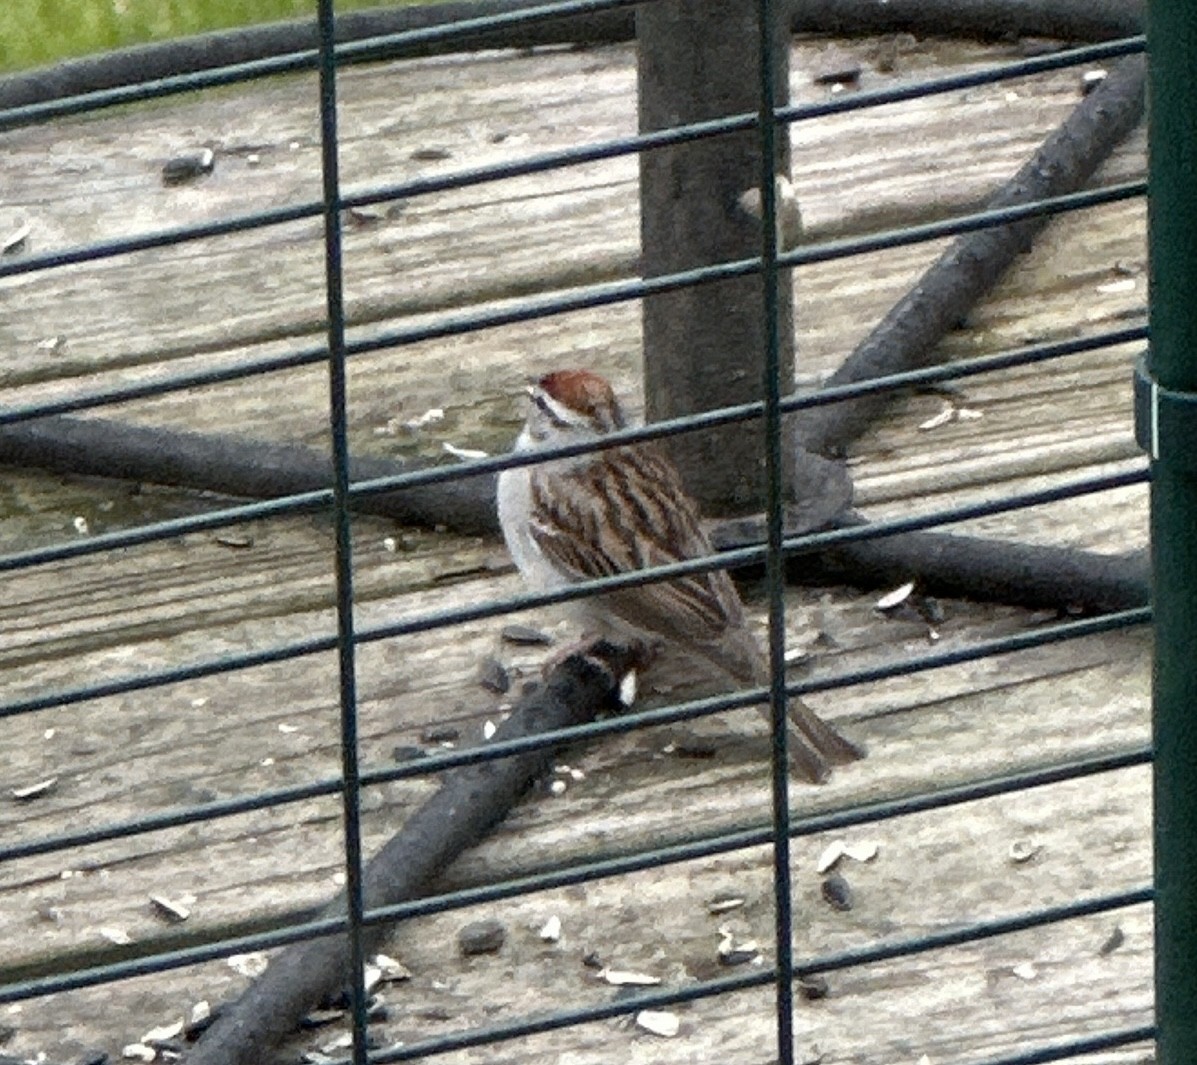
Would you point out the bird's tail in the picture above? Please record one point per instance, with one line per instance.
(816, 746)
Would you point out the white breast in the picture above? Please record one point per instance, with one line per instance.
(515, 503)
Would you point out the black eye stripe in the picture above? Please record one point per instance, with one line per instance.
(542, 402)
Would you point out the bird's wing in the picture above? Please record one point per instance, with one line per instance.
(624, 511)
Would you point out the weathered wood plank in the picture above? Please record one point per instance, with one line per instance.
(156, 606)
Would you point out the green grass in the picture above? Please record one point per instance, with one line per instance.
(35, 32)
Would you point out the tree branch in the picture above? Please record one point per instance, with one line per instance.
(906, 338)
(471, 800)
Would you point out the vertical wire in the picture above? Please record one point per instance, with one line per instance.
(335, 296)
(1172, 368)
(774, 561)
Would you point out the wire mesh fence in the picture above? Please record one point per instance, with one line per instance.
(358, 925)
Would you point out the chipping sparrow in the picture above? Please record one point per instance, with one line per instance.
(625, 509)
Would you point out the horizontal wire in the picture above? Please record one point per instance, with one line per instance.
(437, 763)
(711, 988)
(1009, 70)
(368, 49)
(863, 955)
(377, 48)
(721, 843)
(802, 256)
(1075, 1048)
(494, 608)
(746, 556)
(734, 840)
(318, 498)
(556, 160)
(587, 297)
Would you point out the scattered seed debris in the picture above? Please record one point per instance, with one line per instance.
(80, 525)
(16, 241)
(493, 676)
(1116, 288)
(789, 211)
(1025, 970)
(929, 609)
(864, 851)
(725, 903)
(251, 965)
(557, 787)
(627, 978)
(1113, 941)
(830, 857)
(35, 791)
(591, 960)
(390, 970)
(320, 1018)
(1091, 79)
(184, 168)
(481, 937)
(627, 688)
(199, 1020)
(164, 1033)
(407, 753)
(371, 976)
(464, 453)
(429, 417)
(950, 413)
(172, 911)
(861, 851)
(813, 987)
(799, 658)
(893, 600)
(364, 217)
(550, 931)
(139, 1052)
(942, 418)
(524, 635)
(732, 953)
(116, 935)
(236, 543)
(1023, 850)
(837, 892)
(845, 75)
(659, 1022)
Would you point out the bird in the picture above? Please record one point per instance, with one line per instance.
(623, 509)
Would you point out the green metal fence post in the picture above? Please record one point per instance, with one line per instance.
(1170, 414)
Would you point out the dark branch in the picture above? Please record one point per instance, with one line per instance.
(906, 338)
(235, 466)
(1077, 20)
(1068, 20)
(964, 567)
(471, 800)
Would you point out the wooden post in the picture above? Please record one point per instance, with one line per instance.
(704, 346)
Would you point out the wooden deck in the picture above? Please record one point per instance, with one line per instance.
(122, 613)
